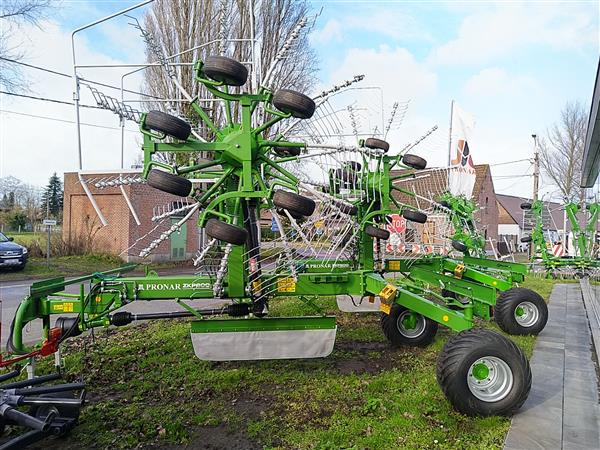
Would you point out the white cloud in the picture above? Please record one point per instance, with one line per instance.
(32, 148)
(331, 32)
(496, 82)
(389, 22)
(489, 34)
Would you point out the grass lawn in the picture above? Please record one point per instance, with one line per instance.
(146, 388)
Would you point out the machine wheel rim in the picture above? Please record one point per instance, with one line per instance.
(410, 324)
(490, 379)
(526, 314)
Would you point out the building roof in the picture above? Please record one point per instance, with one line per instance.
(512, 205)
(591, 154)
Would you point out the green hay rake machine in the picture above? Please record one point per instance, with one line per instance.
(483, 287)
(585, 262)
(247, 175)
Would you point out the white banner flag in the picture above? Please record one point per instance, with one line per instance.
(461, 175)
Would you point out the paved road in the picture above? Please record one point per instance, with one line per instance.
(562, 411)
(11, 294)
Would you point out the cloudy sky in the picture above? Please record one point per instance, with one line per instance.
(512, 65)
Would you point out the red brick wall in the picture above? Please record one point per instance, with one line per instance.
(487, 216)
(122, 230)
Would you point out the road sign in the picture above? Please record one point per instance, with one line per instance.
(49, 222)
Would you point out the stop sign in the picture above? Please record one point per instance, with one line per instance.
(397, 223)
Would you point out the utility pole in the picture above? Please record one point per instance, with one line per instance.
(536, 167)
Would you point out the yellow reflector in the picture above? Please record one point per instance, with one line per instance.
(445, 318)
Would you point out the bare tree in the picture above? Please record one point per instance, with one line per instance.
(561, 152)
(223, 28)
(13, 14)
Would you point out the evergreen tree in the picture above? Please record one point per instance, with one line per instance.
(52, 199)
(11, 200)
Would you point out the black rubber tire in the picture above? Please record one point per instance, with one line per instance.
(168, 124)
(225, 232)
(351, 210)
(295, 215)
(525, 205)
(345, 176)
(506, 306)
(414, 161)
(294, 202)
(226, 70)
(376, 232)
(287, 151)
(464, 349)
(353, 165)
(445, 204)
(168, 182)
(295, 103)
(389, 325)
(525, 239)
(379, 144)
(459, 246)
(414, 216)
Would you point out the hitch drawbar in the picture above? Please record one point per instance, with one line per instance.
(125, 318)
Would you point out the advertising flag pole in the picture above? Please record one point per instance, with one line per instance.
(450, 133)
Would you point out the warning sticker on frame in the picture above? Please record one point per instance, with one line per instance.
(286, 285)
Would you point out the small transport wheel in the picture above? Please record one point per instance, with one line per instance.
(345, 176)
(525, 205)
(351, 210)
(293, 202)
(445, 204)
(353, 165)
(379, 144)
(414, 161)
(414, 216)
(167, 182)
(226, 232)
(377, 232)
(526, 239)
(521, 311)
(482, 373)
(405, 327)
(291, 102)
(225, 70)
(297, 217)
(459, 246)
(168, 124)
(287, 151)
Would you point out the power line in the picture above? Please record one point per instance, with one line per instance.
(62, 102)
(81, 78)
(511, 162)
(64, 120)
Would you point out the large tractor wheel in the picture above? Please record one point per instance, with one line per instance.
(482, 373)
(291, 102)
(377, 144)
(414, 216)
(414, 161)
(377, 232)
(167, 182)
(293, 202)
(521, 311)
(226, 232)
(168, 124)
(225, 70)
(405, 327)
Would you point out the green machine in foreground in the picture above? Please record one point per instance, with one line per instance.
(481, 372)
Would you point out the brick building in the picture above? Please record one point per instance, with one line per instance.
(122, 232)
(435, 182)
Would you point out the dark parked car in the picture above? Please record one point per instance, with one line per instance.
(12, 255)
